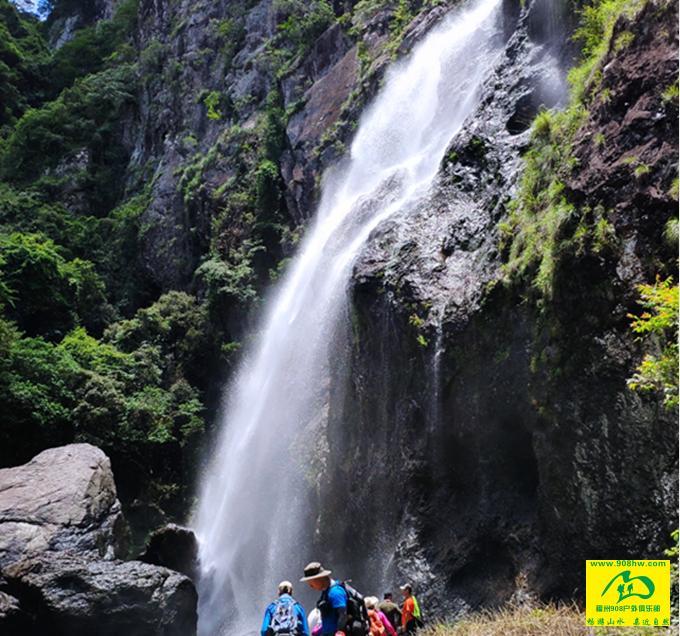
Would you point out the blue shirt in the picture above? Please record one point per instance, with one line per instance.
(299, 612)
(337, 599)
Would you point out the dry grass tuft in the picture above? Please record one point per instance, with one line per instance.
(550, 620)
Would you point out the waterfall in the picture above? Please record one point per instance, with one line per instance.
(254, 516)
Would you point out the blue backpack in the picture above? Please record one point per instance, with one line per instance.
(284, 618)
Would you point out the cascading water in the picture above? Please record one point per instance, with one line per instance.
(253, 518)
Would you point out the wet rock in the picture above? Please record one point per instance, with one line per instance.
(67, 594)
(419, 27)
(324, 101)
(174, 547)
(443, 253)
(327, 51)
(169, 254)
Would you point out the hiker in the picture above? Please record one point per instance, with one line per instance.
(342, 608)
(411, 616)
(380, 624)
(388, 607)
(285, 615)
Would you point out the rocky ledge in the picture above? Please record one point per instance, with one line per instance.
(62, 539)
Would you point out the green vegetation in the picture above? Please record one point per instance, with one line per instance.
(81, 121)
(88, 349)
(670, 94)
(402, 16)
(96, 48)
(623, 40)
(595, 35)
(299, 23)
(418, 324)
(127, 402)
(23, 59)
(47, 294)
(544, 225)
(542, 222)
(233, 280)
(230, 33)
(248, 228)
(658, 326)
(212, 102)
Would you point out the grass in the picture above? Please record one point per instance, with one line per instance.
(550, 620)
(543, 225)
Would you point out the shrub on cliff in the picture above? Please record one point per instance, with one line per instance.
(179, 326)
(658, 326)
(91, 49)
(300, 23)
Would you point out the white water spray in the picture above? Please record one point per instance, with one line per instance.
(252, 521)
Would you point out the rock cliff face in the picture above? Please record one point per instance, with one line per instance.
(62, 537)
(499, 439)
(208, 73)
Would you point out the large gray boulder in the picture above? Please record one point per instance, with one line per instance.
(63, 499)
(62, 537)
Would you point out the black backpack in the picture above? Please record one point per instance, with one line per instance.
(358, 623)
(357, 614)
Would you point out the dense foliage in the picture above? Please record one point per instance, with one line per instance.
(23, 60)
(90, 351)
(93, 348)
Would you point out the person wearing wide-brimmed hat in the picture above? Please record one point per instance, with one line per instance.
(333, 600)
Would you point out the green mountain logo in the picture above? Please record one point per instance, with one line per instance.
(629, 586)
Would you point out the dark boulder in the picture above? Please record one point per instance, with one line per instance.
(13, 619)
(67, 594)
(173, 547)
